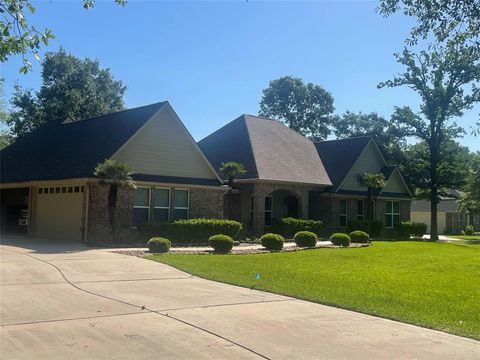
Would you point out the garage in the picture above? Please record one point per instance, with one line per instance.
(14, 211)
(59, 212)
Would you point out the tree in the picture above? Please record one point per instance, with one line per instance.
(373, 182)
(71, 87)
(305, 108)
(471, 199)
(231, 170)
(387, 136)
(115, 174)
(18, 37)
(441, 77)
(5, 136)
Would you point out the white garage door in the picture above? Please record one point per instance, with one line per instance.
(59, 212)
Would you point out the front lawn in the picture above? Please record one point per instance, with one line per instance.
(436, 285)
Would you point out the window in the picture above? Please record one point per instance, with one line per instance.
(181, 204)
(360, 210)
(40, 190)
(343, 213)
(268, 210)
(392, 213)
(161, 205)
(141, 206)
(252, 207)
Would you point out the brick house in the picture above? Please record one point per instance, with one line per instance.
(48, 189)
(289, 175)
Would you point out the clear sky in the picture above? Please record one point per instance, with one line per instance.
(211, 60)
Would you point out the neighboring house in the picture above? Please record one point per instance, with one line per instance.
(451, 219)
(48, 188)
(289, 175)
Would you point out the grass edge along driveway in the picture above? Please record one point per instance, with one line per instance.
(435, 285)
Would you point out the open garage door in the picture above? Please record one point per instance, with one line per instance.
(59, 212)
(14, 211)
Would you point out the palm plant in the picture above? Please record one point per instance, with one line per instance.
(116, 174)
(372, 182)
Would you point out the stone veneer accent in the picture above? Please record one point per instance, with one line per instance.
(98, 214)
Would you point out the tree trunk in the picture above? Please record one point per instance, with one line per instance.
(433, 191)
(112, 205)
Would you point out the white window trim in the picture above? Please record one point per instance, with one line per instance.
(182, 207)
(168, 207)
(391, 213)
(363, 210)
(343, 214)
(149, 200)
(269, 211)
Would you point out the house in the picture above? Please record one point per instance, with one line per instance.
(289, 175)
(451, 219)
(48, 189)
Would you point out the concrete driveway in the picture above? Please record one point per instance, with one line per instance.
(63, 301)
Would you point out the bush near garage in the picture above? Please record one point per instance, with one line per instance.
(159, 245)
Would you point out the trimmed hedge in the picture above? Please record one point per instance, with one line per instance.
(272, 241)
(358, 236)
(159, 245)
(288, 227)
(196, 231)
(372, 227)
(305, 239)
(340, 239)
(405, 229)
(221, 243)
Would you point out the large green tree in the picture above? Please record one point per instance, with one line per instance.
(445, 77)
(389, 138)
(19, 37)
(471, 199)
(5, 136)
(305, 108)
(71, 87)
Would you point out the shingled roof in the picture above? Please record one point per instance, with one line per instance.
(268, 149)
(338, 156)
(58, 150)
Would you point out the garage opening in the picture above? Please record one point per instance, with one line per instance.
(14, 211)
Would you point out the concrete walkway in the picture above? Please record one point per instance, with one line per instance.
(63, 301)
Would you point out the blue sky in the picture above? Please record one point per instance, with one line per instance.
(211, 60)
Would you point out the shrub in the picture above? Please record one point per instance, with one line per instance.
(190, 231)
(419, 229)
(288, 227)
(340, 239)
(221, 243)
(305, 239)
(159, 245)
(469, 230)
(372, 227)
(358, 236)
(476, 233)
(272, 241)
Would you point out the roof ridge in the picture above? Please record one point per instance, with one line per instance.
(114, 112)
(345, 139)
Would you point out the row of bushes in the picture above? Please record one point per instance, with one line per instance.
(406, 229)
(196, 231)
(288, 227)
(356, 236)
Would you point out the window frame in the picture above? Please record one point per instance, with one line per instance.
(345, 214)
(392, 213)
(182, 207)
(361, 217)
(169, 207)
(268, 211)
(149, 201)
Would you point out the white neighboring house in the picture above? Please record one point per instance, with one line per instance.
(450, 219)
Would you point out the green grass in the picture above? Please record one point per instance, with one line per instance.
(465, 237)
(436, 285)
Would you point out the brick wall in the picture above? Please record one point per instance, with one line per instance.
(99, 229)
(205, 203)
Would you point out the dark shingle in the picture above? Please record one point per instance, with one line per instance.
(71, 150)
(268, 149)
(338, 156)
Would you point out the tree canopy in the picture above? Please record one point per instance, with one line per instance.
(305, 108)
(18, 37)
(71, 87)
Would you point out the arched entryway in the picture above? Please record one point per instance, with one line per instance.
(284, 203)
